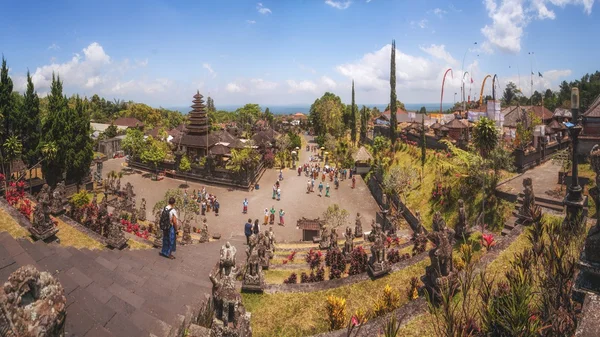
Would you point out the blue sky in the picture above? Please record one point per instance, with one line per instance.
(292, 51)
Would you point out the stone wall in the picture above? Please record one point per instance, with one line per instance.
(528, 159)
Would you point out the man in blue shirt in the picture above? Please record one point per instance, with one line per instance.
(248, 230)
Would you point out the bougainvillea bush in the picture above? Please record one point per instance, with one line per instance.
(314, 258)
(15, 195)
(135, 229)
(358, 261)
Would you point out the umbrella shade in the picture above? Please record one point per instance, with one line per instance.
(322, 148)
(293, 152)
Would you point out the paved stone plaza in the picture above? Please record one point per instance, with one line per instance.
(294, 200)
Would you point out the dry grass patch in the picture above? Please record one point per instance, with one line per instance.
(9, 225)
(136, 245)
(71, 237)
(303, 314)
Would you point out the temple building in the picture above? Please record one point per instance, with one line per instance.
(195, 140)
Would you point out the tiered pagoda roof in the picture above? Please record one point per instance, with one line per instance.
(198, 119)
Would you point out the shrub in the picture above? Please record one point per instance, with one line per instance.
(304, 278)
(337, 263)
(80, 199)
(388, 301)
(420, 244)
(413, 290)
(488, 241)
(336, 312)
(320, 275)
(314, 258)
(395, 257)
(358, 261)
(292, 279)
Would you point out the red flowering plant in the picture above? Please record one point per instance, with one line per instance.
(488, 241)
(134, 229)
(15, 195)
(289, 258)
(314, 258)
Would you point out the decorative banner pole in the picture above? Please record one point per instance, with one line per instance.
(463, 91)
(444, 81)
(494, 86)
(481, 93)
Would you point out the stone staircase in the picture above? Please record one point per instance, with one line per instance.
(120, 293)
(516, 219)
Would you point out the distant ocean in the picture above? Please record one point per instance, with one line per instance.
(292, 109)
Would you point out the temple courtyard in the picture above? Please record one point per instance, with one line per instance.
(295, 202)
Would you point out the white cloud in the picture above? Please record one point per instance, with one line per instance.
(511, 17)
(234, 87)
(328, 82)
(54, 46)
(339, 4)
(261, 84)
(210, 69)
(421, 24)
(439, 12)
(262, 9)
(439, 51)
(250, 22)
(301, 86)
(141, 63)
(551, 80)
(368, 1)
(95, 53)
(418, 79)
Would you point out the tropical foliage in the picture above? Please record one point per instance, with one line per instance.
(485, 135)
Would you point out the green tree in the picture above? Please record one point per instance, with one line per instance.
(524, 133)
(375, 112)
(353, 118)
(210, 105)
(536, 98)
(269, 116)
(295, 140)
(111, 131)
(380, 145)
(81, 151)
(6, 101)
(31, 124)
(399, 179)
(510, 93)
(393, 98)
(154, 153)
(485, 136)
(399, 105)
(55, 130)
(185, 166)
(248, 115)
(12, 150)
(364, 120)
(326, 115)
(133, 142)
(243, 160)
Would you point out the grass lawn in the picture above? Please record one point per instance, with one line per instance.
(8, 224)
(136, 245)
(303, 314)
(70, 236)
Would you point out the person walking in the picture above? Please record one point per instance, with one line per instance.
(327, 190)
(280, 174)
(274, 191)
(281, 214)
(320, 189)
(272, 219)
(312, 185)
(245, 206)
(353, 181)
(203, 207)
(256, 228)
(168, 224)
(278, 194)
(266, 216)
(336, 182)
(216, 206)
(248, 231)
(308, 186)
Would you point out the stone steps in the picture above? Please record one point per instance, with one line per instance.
(120, 293)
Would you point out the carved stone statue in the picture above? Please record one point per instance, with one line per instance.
(419, 229)
(204, 236)
(115, 237)
(378, 263)
(118, 187)
(253, 276)
(158, 233)
(349, 242)
(227, 259)
(271, 237)
(462, 227)
(528, 198)
(58, 200)
(441, 268)
(324, 243)
(186, 239)
(358, 231)
(261, 246)
(333, 237)
(142, 211)
(230, 317)
(43, 227)
(32, 303)
(376, 231)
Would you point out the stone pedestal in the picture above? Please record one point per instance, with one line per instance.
(378, 269)
(116, 243)
(48, 233)
(253, 283)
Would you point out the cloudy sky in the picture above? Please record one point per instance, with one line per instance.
(290, 52)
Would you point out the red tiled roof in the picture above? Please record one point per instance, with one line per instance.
(129, 122)
(456, 124)
(594, 109)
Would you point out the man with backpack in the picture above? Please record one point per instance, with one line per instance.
(168, 224)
